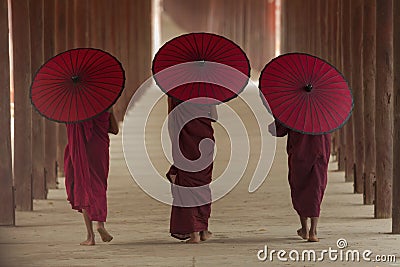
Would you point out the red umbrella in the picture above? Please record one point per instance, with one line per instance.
(201, 65)
(77, 85)
(305, 93)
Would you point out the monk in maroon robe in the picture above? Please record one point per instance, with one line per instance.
(191, 208)
(86, 165)
(308, 158)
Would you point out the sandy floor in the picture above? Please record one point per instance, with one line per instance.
(243, 223)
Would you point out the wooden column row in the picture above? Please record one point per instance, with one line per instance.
(7, 214)
(349, 41)
(41, 29)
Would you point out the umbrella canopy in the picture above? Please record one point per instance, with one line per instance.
(206, 66)
(305, 93)
(77, 85)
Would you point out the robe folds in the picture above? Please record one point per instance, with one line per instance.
(308, 158)
(86, 166)
(186, 216)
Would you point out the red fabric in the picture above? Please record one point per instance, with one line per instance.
(324, 108)
(308, 169)
(215, 83)
(186, 220)
(86, 165)
(77, 84)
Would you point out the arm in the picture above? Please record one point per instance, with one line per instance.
(113, 128)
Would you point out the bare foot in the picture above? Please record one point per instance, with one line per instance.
(204, 235)
(105, 236)
(302, 233)
(88, 242)
(194, 238)
(313, 237)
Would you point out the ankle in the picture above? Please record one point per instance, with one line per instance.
(313, 232)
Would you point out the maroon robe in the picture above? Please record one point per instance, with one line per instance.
(186, 220)
(86, 165)
(308, 158)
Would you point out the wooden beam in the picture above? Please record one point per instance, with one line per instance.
(384, 108)
(38, 170)
(23, 109)
(396, 135)
(7, 211)
(357, 86)
(369, 73)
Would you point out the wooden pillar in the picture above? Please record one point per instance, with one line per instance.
(290, 25)
(122, 21)
(38, 143)
(330, 57)
(290, 37)
(318, 28)
(310, 26)
(139, 50)
(330, 31)
(7, 213)
(50, 126)
(81, 23)
(259, 45)
(324, 29)
(284, 23)
(357, 86)
(396, 134)
(369, 73)
(63, 40)
(339, 51)
(109, 29)
(384, 108)
(23, 109)
(347, 67)
(336, 35)
(96, 25)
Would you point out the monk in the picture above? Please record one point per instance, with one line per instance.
(191, 209)
(308, 158)
(86, 165)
